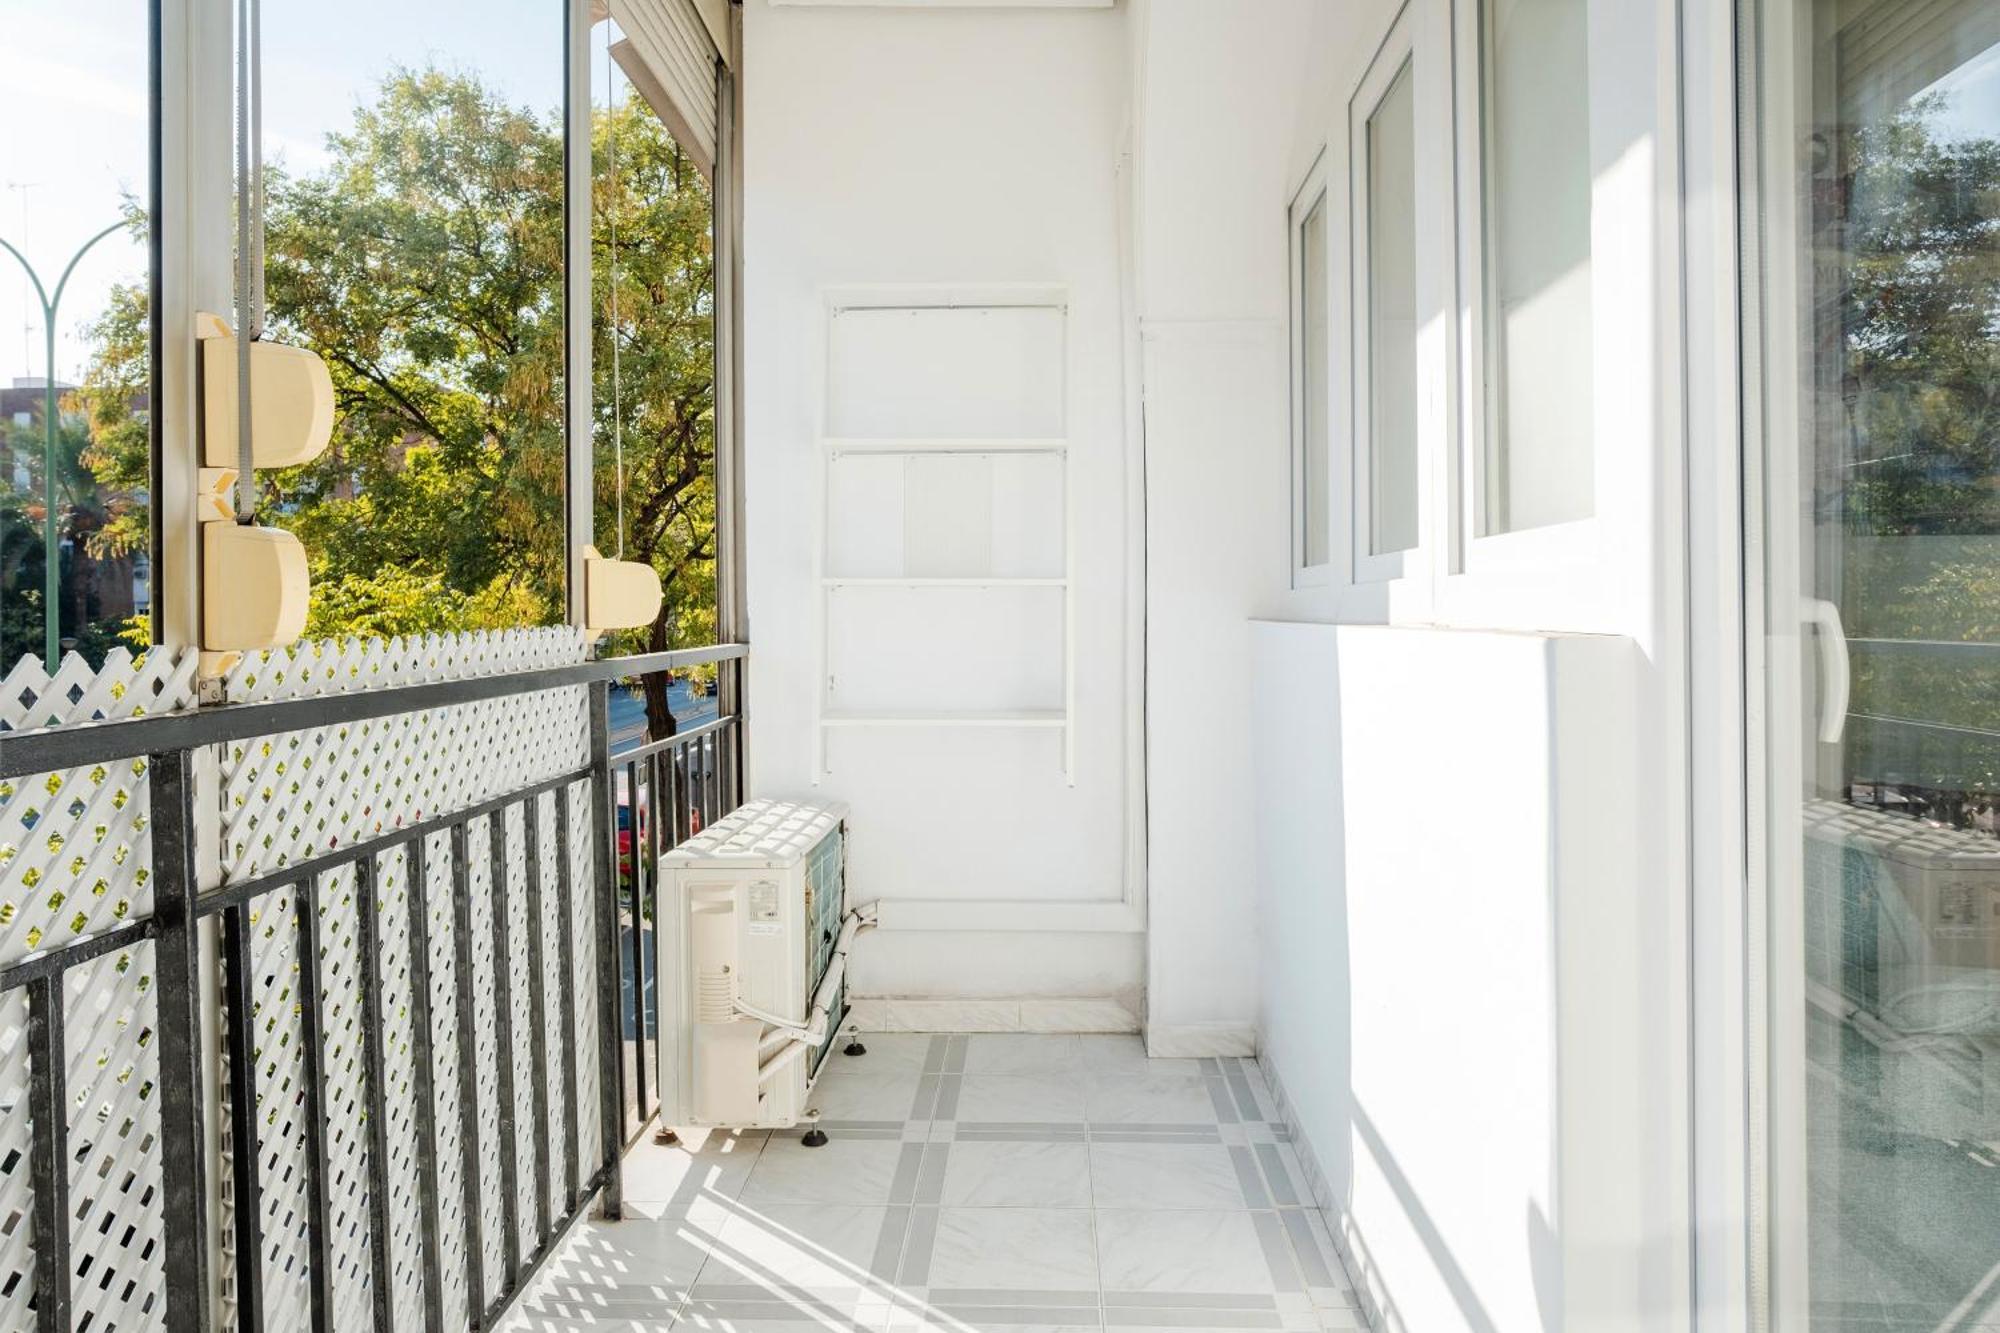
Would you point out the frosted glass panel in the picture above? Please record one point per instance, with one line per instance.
(946, 372)
(1392, 319)
(1537, 134)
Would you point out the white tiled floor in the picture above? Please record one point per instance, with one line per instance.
(1018, 1184)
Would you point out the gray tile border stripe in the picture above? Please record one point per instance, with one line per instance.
(889, 1243)
(1307, 1246)
(1281, 1179)
(1189, 1300)
(976, 1316)
(934, 1054)
(1218, 1096)
(1146, 1127)
(903, 1188)
(947, 1097)
(954, 1054)
(930, 1179)
(1247, 1179)
(1007, 1296)
(1246, 1100)
(1120, 1136)
(916, 1270)
(806, 1308)
(1277, 1254)
(1209, 1319)
(977, 1135)
(927, 1091)
(779, 1292)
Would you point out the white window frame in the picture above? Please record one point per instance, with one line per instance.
(1397, 49)
(1314, 192)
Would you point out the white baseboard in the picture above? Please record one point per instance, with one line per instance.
(1194, 1040)
(1025, 1014)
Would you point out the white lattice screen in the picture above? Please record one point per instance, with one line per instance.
(75, 860)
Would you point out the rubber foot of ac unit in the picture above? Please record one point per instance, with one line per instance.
(665, 1137)
(814, 1138)
(854, 1047)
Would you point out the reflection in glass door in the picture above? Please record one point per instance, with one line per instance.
(1875, 148)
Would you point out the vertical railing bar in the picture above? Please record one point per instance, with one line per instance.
(183, 1173)
(319, 1216)
(48, 1080)
(683, 795)
(610, 1067)
(503, 1010)
(638, 882)
(538, 1038)
(472, 1191)
(650, 958)
(566, 997)
(377, 1104)
(418, 864)
(711, 789)
(246, 1190)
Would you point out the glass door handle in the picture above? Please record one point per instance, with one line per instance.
(1824, 617)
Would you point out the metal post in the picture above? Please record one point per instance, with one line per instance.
(312, 1058)
(506, 1122)
(604, 835)
(49, 1160)
(368, 913)
(417, 859)
(184, 1139)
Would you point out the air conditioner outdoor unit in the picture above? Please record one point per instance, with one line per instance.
(753, 938)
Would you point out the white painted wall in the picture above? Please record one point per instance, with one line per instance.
(1462, 990)
(1214, 96)
(1470, 951)
(964, 147)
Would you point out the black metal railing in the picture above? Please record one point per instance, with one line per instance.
(224, 1016)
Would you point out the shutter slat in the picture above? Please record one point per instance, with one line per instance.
(672, 63)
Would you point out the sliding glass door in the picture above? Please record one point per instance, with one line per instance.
(1872, 160)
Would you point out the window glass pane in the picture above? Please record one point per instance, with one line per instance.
(653, 391)
(75, 380)
(1392, 319)
(414, 240)
(1537, 244)
(1313, 386)
(1880, 304)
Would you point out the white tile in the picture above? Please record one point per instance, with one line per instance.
(770, 1317)
(1127, 1055)
(1164, 1175)
(632, 1269)
(994, 1249)
(1178, 1099)
(705, 1161)
(887, 1096)
(1021, 1053)
(983, 1319)
(1188, 1251)
(1012, 1098)
(820, 1249)
(842, 1170)
(1017, 1175)
(888, 1053)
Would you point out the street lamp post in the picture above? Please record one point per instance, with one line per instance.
(51, 565)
